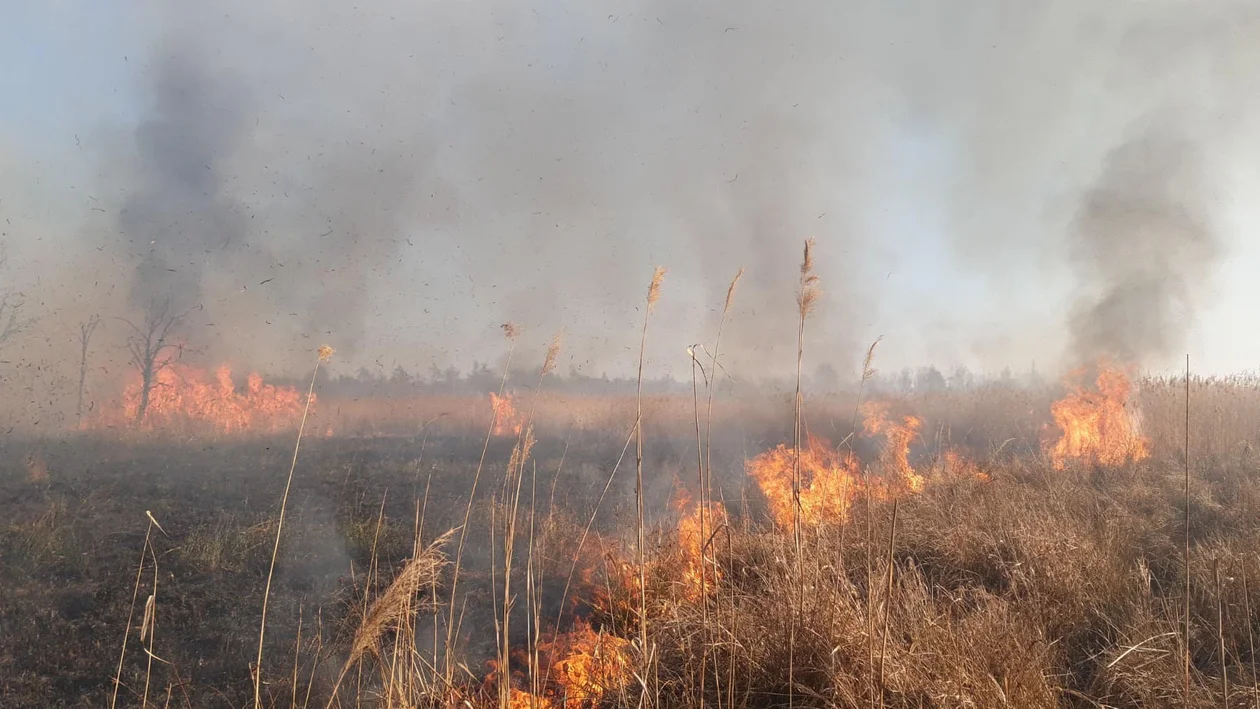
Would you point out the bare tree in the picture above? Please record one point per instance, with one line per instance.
(87, 328)
(151, 349)
(12, 303)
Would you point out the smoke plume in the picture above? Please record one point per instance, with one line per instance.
(398, 182)
(179, 216)
(1145, 248)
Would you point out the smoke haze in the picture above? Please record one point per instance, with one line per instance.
(987, 184)
(1144, 247)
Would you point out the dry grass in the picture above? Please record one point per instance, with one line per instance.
(1036, 588)
(1020, 586)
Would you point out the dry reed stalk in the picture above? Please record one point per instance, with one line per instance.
(653, 294)
(510, 332)
(706, 472)
(424, 509)
(323, 355)
(516, 473)
(888, 594)
(867, 373)
(393, 605)
(319, 645)
(1251, 640)
(1186, 558)
(520, 453)
(148, 629)
(806, 297)
(297, 650)
(532, 593)
(704, 590)
(135, 594)
(1220, 632)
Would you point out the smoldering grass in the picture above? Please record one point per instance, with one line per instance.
(510, 331)
(323, 355)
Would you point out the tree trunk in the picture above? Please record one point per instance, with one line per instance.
(146, 385)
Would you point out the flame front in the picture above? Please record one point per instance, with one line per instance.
(829, 481)
(699, 571)
(897, 438)
(181, 393)
(586, 667)
(1097, 425)
(507, 422)
(590, 666)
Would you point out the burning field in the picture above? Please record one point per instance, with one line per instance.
(1004, 545)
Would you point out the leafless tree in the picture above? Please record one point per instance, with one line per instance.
(151, 348)
(12, 304)
(87, 328)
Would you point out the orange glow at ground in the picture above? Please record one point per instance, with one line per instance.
(1097, 425)
(897, 437)
(829, 481)
(183, 394)
(699, 572)
(507, 422)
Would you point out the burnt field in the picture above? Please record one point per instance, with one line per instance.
(939, 563)
(75, 524)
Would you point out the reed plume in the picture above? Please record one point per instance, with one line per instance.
(806, 296)
(390, 609)
(653, 294)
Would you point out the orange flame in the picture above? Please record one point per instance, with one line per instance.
(182, 393)
(586, 667)
(590, 665)
(699, 570)
(829, 481)
(1098, 427)
(507, 422)
(897, 437)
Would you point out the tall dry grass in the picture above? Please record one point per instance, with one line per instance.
(1023, 586)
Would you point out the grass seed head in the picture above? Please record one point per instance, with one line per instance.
(553, 351)
(730, 291)
(654, 290)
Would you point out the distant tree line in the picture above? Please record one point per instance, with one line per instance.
(481, 378)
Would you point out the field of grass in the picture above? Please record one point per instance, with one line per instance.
(1001, 582)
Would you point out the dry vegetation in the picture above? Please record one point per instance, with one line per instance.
(1025, 586)
(919, 551)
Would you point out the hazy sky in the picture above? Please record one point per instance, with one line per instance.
(400, 177)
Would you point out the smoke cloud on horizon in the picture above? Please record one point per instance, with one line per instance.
(988, 185)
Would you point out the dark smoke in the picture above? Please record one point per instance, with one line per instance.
(178, 217)
(197, 237)
(1145, 248)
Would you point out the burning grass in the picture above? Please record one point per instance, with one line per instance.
(1098, 425)
(1041, 572)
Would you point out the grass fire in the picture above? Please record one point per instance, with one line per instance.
(963, 546)
(632, 355)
